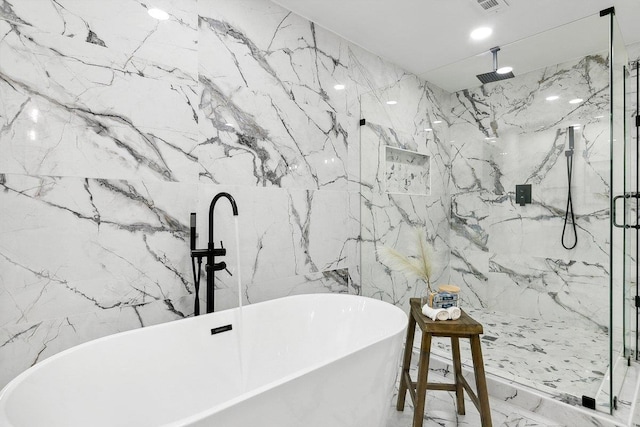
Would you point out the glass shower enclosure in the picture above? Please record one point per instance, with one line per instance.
(448, 159)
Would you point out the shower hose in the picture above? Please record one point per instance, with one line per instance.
(196, 280)
(569, 210)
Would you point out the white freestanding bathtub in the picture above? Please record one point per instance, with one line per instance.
(322, 360)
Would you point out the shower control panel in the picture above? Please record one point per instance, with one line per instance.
(523, 194)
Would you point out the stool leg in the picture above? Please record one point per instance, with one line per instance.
(457, 372)
(423, 373)
(406, 363)
(481, 382)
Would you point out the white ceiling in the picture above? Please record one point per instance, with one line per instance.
(430, 38)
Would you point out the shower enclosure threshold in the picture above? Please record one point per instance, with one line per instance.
(540, 354)
(527, 402)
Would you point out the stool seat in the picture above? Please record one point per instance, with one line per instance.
(464, 327)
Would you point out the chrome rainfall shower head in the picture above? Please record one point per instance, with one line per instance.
(498, 73)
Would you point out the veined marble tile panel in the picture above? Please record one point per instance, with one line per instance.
(353, 224)
(486, 221)
(523, 291)
(299, 60)
(120, 25)
(249, 140)
(415, 106)
(521, 102)
(373, 168)
(30, 342)
(273, 51)
(282, 233)
(64, 116)
(25, 37)
(331, 281)
(390, 220)
(469, 269)
(537, 230)
(510, 134)
(85, 245)
(536, 158)
(252, 113)
(469, 212)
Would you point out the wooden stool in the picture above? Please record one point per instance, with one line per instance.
(464, 327)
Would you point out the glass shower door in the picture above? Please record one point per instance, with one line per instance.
(622, 224)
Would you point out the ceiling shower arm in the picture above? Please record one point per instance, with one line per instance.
(494, 51)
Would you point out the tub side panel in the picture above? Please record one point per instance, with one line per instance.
(294, 334)
(146, 377)
(353, 391)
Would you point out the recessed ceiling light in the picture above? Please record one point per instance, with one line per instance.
(576, 101)
(437, 121)
(229, 124)
(159, 14)
(481, 33)
(598, 117)
(339, 87)
(428, 129)
(392, 102)
(552, 97)
(504, 70)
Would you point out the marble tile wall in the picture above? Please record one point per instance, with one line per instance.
(508, 257)
(417, 122)
(115, 126)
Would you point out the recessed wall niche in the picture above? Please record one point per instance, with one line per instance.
(407, 172)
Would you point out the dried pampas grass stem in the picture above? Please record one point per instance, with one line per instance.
(418, 267)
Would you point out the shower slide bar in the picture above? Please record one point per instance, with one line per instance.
(631, 195)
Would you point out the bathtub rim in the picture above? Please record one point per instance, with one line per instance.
(393, 310)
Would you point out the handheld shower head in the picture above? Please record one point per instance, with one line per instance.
(571, 138)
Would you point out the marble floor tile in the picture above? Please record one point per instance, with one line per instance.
(440, 410)
(520, 364)
(543, 354)
(511, 404)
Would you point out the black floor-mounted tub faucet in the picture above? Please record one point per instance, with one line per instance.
(210, 253)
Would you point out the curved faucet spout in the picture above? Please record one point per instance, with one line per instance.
(234, 207)
(213, 252)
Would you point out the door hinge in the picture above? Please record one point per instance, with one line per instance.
(608, 11)
(363, 122)
(638, 121)
(637, 301)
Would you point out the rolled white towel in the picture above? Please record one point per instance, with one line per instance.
(435, 313)
(454, 313)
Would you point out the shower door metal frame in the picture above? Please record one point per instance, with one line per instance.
(637, 277)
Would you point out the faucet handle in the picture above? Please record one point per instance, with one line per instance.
(221, 245)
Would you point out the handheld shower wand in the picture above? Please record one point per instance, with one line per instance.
(569, 210)
(196, 277)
